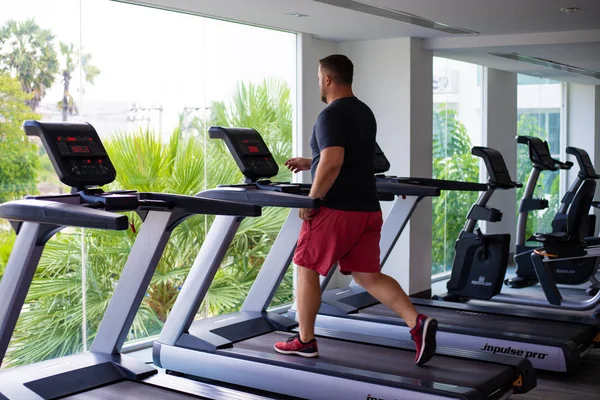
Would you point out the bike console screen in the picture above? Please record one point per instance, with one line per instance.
(249, 151)
(76, 152)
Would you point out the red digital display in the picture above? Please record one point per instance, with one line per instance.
(80, 149)
(253, 149)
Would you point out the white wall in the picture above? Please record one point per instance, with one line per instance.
(394, 77)
(500, 129)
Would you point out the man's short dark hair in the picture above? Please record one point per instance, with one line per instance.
(339, 67)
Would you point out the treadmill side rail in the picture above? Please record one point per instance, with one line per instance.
(51, 212)
(206, 265)
(134, 282)
(275, 266)
(200, 205)
(17, 278)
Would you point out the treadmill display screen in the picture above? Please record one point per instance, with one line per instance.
(249, 151)
(252, 146)
(76, 151)
(80, 149)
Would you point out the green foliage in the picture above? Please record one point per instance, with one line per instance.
(452, 160)
(264, 106)
(7, 240)
(27, 53)
(548, 186)
(18, 154)
(450, 137)
(187, 163)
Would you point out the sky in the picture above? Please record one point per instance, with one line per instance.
(155, 58)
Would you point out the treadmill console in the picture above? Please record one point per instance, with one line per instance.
(381, 162)
(76, 152)
(249, 151)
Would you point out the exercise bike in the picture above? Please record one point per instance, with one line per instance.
(481, 259)
(569, 272)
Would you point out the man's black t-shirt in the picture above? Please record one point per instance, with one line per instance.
(349, 123)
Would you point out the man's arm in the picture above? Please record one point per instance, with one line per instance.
(298, 164)
(328, 170)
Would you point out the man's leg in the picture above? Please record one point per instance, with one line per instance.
(389, 292)
(422, 328)
(308, 302)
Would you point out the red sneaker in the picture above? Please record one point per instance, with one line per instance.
(424, 336)
(294, 346)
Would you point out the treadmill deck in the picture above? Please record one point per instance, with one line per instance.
(495, 323)
(126, 390)
(484, 376)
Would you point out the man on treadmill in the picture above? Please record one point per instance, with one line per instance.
(347, 228)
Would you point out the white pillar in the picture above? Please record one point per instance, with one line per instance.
(394, 77)
(499, 132)
(309, 105)
(583, 127)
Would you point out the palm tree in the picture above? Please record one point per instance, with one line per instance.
(71, 58)
(27, 52)
(188, 163)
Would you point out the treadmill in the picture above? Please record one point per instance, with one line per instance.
(103, 373)
(237, 348)
(551, 342)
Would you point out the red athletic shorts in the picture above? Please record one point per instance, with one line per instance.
(348, 237)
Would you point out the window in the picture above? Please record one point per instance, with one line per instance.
(150, 85)
(457, 127)
(539, 114)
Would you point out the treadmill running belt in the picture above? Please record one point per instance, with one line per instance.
(496, 323)
(483, 376)
(129, 390)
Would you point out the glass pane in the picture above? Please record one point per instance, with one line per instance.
(554, 132)
(37, 64)
(252, 83)
(149, 85)
(539, 102)
(457, 127)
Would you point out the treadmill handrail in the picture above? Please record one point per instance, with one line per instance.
(401, 189)
(200, 205)
(263, 198)
(443, 184)
(54, 213)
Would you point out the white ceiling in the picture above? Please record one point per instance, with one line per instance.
(495, 17)
(584, 55)
(503, 25)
